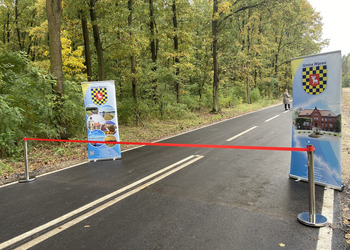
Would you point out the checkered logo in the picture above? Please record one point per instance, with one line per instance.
(99, 95)
(315, 79)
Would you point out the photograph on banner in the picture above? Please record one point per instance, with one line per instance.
(317, 117)
(101, 119)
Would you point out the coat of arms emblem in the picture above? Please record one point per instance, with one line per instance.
(99, 95)
(315, 79)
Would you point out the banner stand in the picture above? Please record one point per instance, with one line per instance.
(316, 117)
(311, 218)
(27, 178)
(101, 120)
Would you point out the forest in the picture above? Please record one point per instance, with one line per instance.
(167, 58)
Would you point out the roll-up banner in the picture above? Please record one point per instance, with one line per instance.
(317, 117)
(101, 119)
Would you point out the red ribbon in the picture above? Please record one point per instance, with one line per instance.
(309, 148)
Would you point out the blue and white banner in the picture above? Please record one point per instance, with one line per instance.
(101, 119)
(317, 117)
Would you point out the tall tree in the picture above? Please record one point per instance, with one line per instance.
(133, 62)
(54, 12)
(176, 50)
(86, 38)
(154, 42)
(17, 26)
(97, 41)
(215, 31)
(296, 24)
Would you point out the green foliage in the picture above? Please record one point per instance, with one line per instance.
(73, 111)
(231, 97)
(27, 104)
(255, 45)
(10, 126)
(346, 81)
(25, 96)
(270, 88)
(255, 95)
(338, 124)
(300, 121)
(346, 71)
(127, 111)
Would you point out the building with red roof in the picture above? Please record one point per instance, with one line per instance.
(322, 119)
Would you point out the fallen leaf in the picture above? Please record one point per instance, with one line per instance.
(282, 245)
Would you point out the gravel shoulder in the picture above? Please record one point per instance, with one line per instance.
(345, 195)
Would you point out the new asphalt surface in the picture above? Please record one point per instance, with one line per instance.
(176, 198)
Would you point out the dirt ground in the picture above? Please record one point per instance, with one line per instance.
(345, 195)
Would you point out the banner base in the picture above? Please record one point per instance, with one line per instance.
(318, 220)
(29, 179)
(105, 159)
(298, 178)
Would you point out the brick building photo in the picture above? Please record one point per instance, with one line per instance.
(324, 120)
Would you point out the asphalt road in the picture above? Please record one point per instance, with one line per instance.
(176, 198)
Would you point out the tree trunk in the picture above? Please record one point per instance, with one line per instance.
(17, 26)
(249, 41)
(8, 31)
(216, 107)
(133, 63)
(278, 50)
(248, 90)
(86, 46)
(176, 48)
(54, 12)
(132, 57)
(154, 48)
(97, 40)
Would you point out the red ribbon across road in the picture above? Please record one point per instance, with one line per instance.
(309, 148)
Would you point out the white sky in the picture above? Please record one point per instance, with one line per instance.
(336, 23)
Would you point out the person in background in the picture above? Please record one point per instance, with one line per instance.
(286, 100)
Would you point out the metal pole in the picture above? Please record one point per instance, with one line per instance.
(27, 177)
(311, 177)
(311, 218)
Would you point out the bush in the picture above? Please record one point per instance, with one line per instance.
(73, 111)
(255, 95)
(10, 126)
(27, 102)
